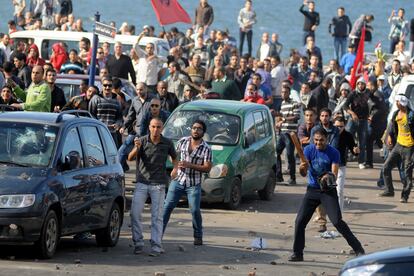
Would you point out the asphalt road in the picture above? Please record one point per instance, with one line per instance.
(379, 223)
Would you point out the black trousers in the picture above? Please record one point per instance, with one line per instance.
(249, 41)
(329, 201)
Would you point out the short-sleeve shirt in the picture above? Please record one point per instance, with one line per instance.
(152, 160)
(200, 155)
(320, 162)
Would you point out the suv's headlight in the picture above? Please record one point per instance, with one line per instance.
(16, 201)
(218, 171)
(365, 270)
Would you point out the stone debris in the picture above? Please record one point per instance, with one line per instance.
(181, 248)
(273, 263)
(57, 267)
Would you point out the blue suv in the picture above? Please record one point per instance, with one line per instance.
(59, 176)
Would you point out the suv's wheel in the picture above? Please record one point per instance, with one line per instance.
(49, 236)
(235, 195)
(268, 190)
(109, 236)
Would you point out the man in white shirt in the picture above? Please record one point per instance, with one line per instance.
(148, 65)
(5, 46)
(278, 74)
(266, 48)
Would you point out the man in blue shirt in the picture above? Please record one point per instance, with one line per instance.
(347, 60)
(321, 159)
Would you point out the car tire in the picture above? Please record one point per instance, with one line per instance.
(235, 195)
(267, 192)
(109, 236)
(49, 236)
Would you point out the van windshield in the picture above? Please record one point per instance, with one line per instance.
(24, 144)
(223, 129)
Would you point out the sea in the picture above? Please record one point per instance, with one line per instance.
(282, 17)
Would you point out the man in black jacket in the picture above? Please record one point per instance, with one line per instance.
(319, 96)
(311, 19)
(342, 26)
(169, 100)
(120, 65)
(58, 96)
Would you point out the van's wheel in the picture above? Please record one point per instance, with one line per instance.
(49, 236)
(235, 195)
(109, 236)
(268, 190)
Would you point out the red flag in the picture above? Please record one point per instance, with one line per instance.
(358, 69)
(169, 12)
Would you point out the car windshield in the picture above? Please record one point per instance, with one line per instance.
(23, 144)
(222, 128)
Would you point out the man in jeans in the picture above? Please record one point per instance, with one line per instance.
(356, 106)
(195, 159)
(402, 136)
(151, 152)
(342, 26)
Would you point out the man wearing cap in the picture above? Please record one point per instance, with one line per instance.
(356, 106)
(402, 137)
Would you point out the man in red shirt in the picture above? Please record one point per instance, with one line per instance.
(253, 95)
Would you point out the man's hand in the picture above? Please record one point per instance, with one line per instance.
(303, 168)
(174, 173)
(313, 28)
(17, 105)
(137, 143)
(354, 117)
(356, 150)
(184, 164)
(122, 130)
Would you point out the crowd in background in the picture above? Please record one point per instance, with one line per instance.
(302, 91)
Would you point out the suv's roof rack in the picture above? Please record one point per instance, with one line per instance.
(77, 113)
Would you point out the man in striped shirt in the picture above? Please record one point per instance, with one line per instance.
(195, 159)
(288, 122)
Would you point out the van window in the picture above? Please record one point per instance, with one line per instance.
(249, 129)
(260, 125)
(46, 50)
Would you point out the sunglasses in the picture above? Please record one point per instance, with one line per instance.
(107, 85)
(155, 105)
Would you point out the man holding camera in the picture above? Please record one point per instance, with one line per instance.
(321, 169)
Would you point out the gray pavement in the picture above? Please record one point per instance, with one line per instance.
(380, 223)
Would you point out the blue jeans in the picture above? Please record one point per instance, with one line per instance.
(125, 149)
(283, 142)
(360, 127)
(175, 192)
(340, 44)
(156, 193)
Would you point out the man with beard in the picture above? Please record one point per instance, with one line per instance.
(195, 159)
(81, 102)
(58, 96)
(321, 165)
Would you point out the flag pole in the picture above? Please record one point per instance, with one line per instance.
(163, 29)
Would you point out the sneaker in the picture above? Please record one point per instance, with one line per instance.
(296, 258)
(292, 182)
(198, 241)
(138, 249)
(386, 194)
(154, 253)
(403, 200)
(322, 228)
(362, 166)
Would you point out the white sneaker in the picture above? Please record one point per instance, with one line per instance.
(361, 166)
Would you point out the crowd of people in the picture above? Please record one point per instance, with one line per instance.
(315, 100)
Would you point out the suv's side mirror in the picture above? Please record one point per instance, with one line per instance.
(72, 161)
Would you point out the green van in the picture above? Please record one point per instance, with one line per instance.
(244, 147)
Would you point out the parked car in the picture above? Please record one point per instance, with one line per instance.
(59, 176)
(70, 85)
(393, 262)
(243, 142)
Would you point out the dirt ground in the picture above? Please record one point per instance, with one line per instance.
(379, 223)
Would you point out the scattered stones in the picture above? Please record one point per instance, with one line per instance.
(225, 267)
(181, 248)
(57, 267)
(236, 241)
(282, 222)
(273, 263)
(343, 252)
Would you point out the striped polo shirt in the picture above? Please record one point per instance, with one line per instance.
(290, 108)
